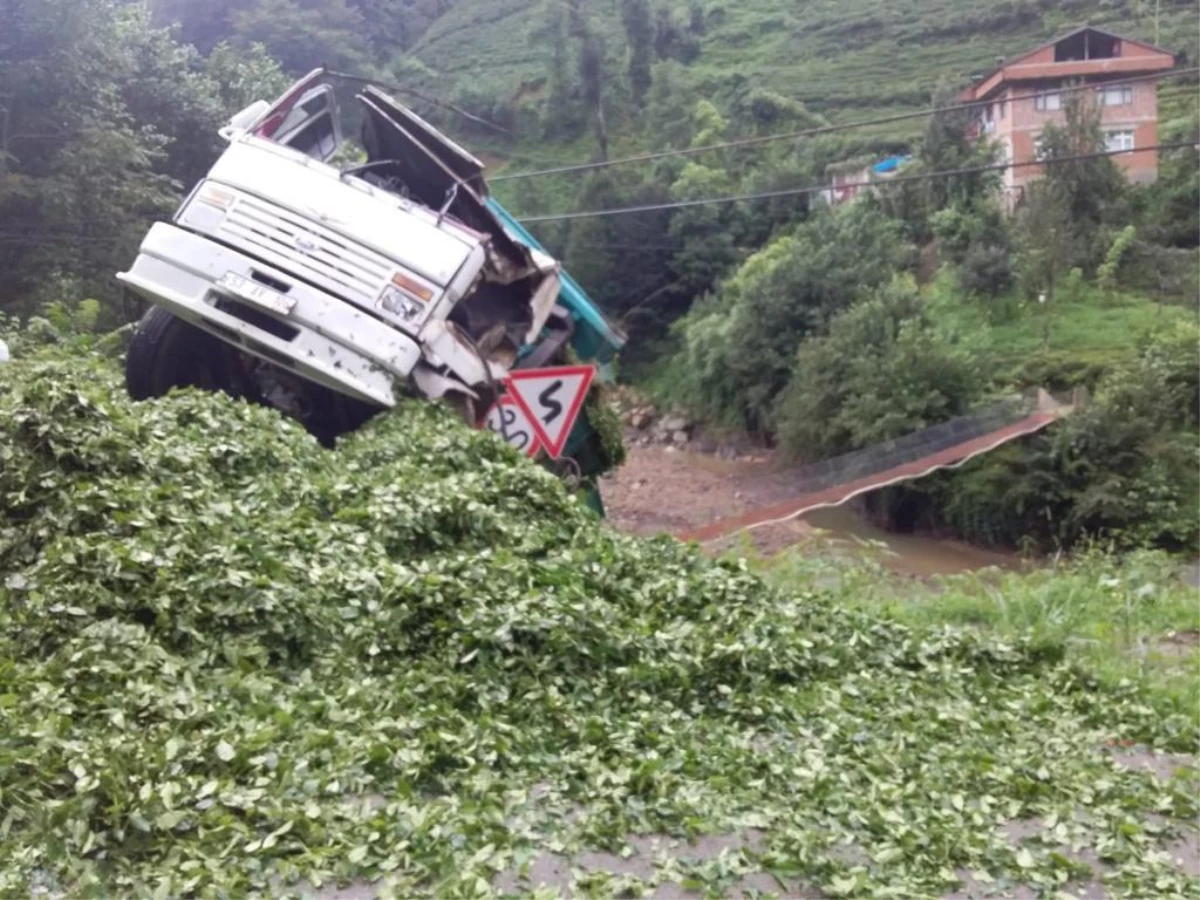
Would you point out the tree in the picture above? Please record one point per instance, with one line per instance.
(78, 178)
(622, 261)
(304, 34)
(393, 25)
(671, 41)
(1046, 245)
(949, 143)
(561, 118)
(978, 241)
(204, 25)
(591, 73)
(1092, 192)
(886, 368)
(666, 33)
(639, 34)
(103, 119)
(739, 346)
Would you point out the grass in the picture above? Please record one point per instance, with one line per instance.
(1129, 619)
(1071, 340)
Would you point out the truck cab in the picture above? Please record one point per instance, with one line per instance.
(328, 280)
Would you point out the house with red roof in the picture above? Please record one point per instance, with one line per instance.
(1022, 95)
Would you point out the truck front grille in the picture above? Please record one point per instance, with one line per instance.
(312, 252)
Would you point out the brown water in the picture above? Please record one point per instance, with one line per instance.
(660, 491)
(908, 554)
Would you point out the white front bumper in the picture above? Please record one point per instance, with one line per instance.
(336, 345)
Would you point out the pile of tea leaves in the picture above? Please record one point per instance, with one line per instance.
(233, 663)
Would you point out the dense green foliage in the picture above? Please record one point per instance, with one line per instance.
(1124, 467)
(229, 657)
(740, 343)
(104, 119)
(109, 108)
(886, 368)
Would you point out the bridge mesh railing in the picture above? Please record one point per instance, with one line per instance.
(912, 447)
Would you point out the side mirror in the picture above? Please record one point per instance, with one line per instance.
(245, 119)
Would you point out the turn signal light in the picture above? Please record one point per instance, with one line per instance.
(412, 286)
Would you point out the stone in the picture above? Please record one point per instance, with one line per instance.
(676, 423)
(680, 437)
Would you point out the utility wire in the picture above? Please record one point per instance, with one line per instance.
(824, 129)
(816, 189)
(362, 79)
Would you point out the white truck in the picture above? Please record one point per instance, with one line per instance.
(323, 291)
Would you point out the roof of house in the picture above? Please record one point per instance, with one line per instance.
(970, 92)
(1080, 30)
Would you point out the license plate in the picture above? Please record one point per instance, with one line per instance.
(253, 292)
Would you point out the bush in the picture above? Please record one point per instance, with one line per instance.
(1124, 467)
(739, 346)
(885, 369)
(979, 242)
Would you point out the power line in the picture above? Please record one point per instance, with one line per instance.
(816, 189)
(428, 98)
(823, 129)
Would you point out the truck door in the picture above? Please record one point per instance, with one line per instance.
(305, 118)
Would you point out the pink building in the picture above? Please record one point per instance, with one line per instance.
(1090, 56)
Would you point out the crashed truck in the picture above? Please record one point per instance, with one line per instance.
(306, 275)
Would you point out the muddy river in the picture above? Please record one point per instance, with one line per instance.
(666, 491)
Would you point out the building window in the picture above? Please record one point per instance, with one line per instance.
(1115, 94)
(1040, 152)
(1048, 102)
(1115, 141)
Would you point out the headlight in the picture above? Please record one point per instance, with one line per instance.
(399, 304)
(206, 210)
(405, 298)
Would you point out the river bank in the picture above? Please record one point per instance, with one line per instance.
(665, 489)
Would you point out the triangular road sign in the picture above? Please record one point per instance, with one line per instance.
(551, 398)
(508, 420)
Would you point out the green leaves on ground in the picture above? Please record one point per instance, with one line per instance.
(229, 659)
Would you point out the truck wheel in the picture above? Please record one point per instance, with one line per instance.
(167, 352)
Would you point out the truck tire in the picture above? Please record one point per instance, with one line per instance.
(167, 352)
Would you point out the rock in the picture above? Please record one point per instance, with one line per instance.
(676, 423)
(680, 437)
(639, 419)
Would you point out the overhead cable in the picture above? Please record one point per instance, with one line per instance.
(820, 188)
(823, 129)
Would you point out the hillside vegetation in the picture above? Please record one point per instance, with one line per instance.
(745, 312)
(847, 60)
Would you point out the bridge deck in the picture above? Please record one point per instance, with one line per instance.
(838, 494)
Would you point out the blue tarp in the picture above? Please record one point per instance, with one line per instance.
(891, 164)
